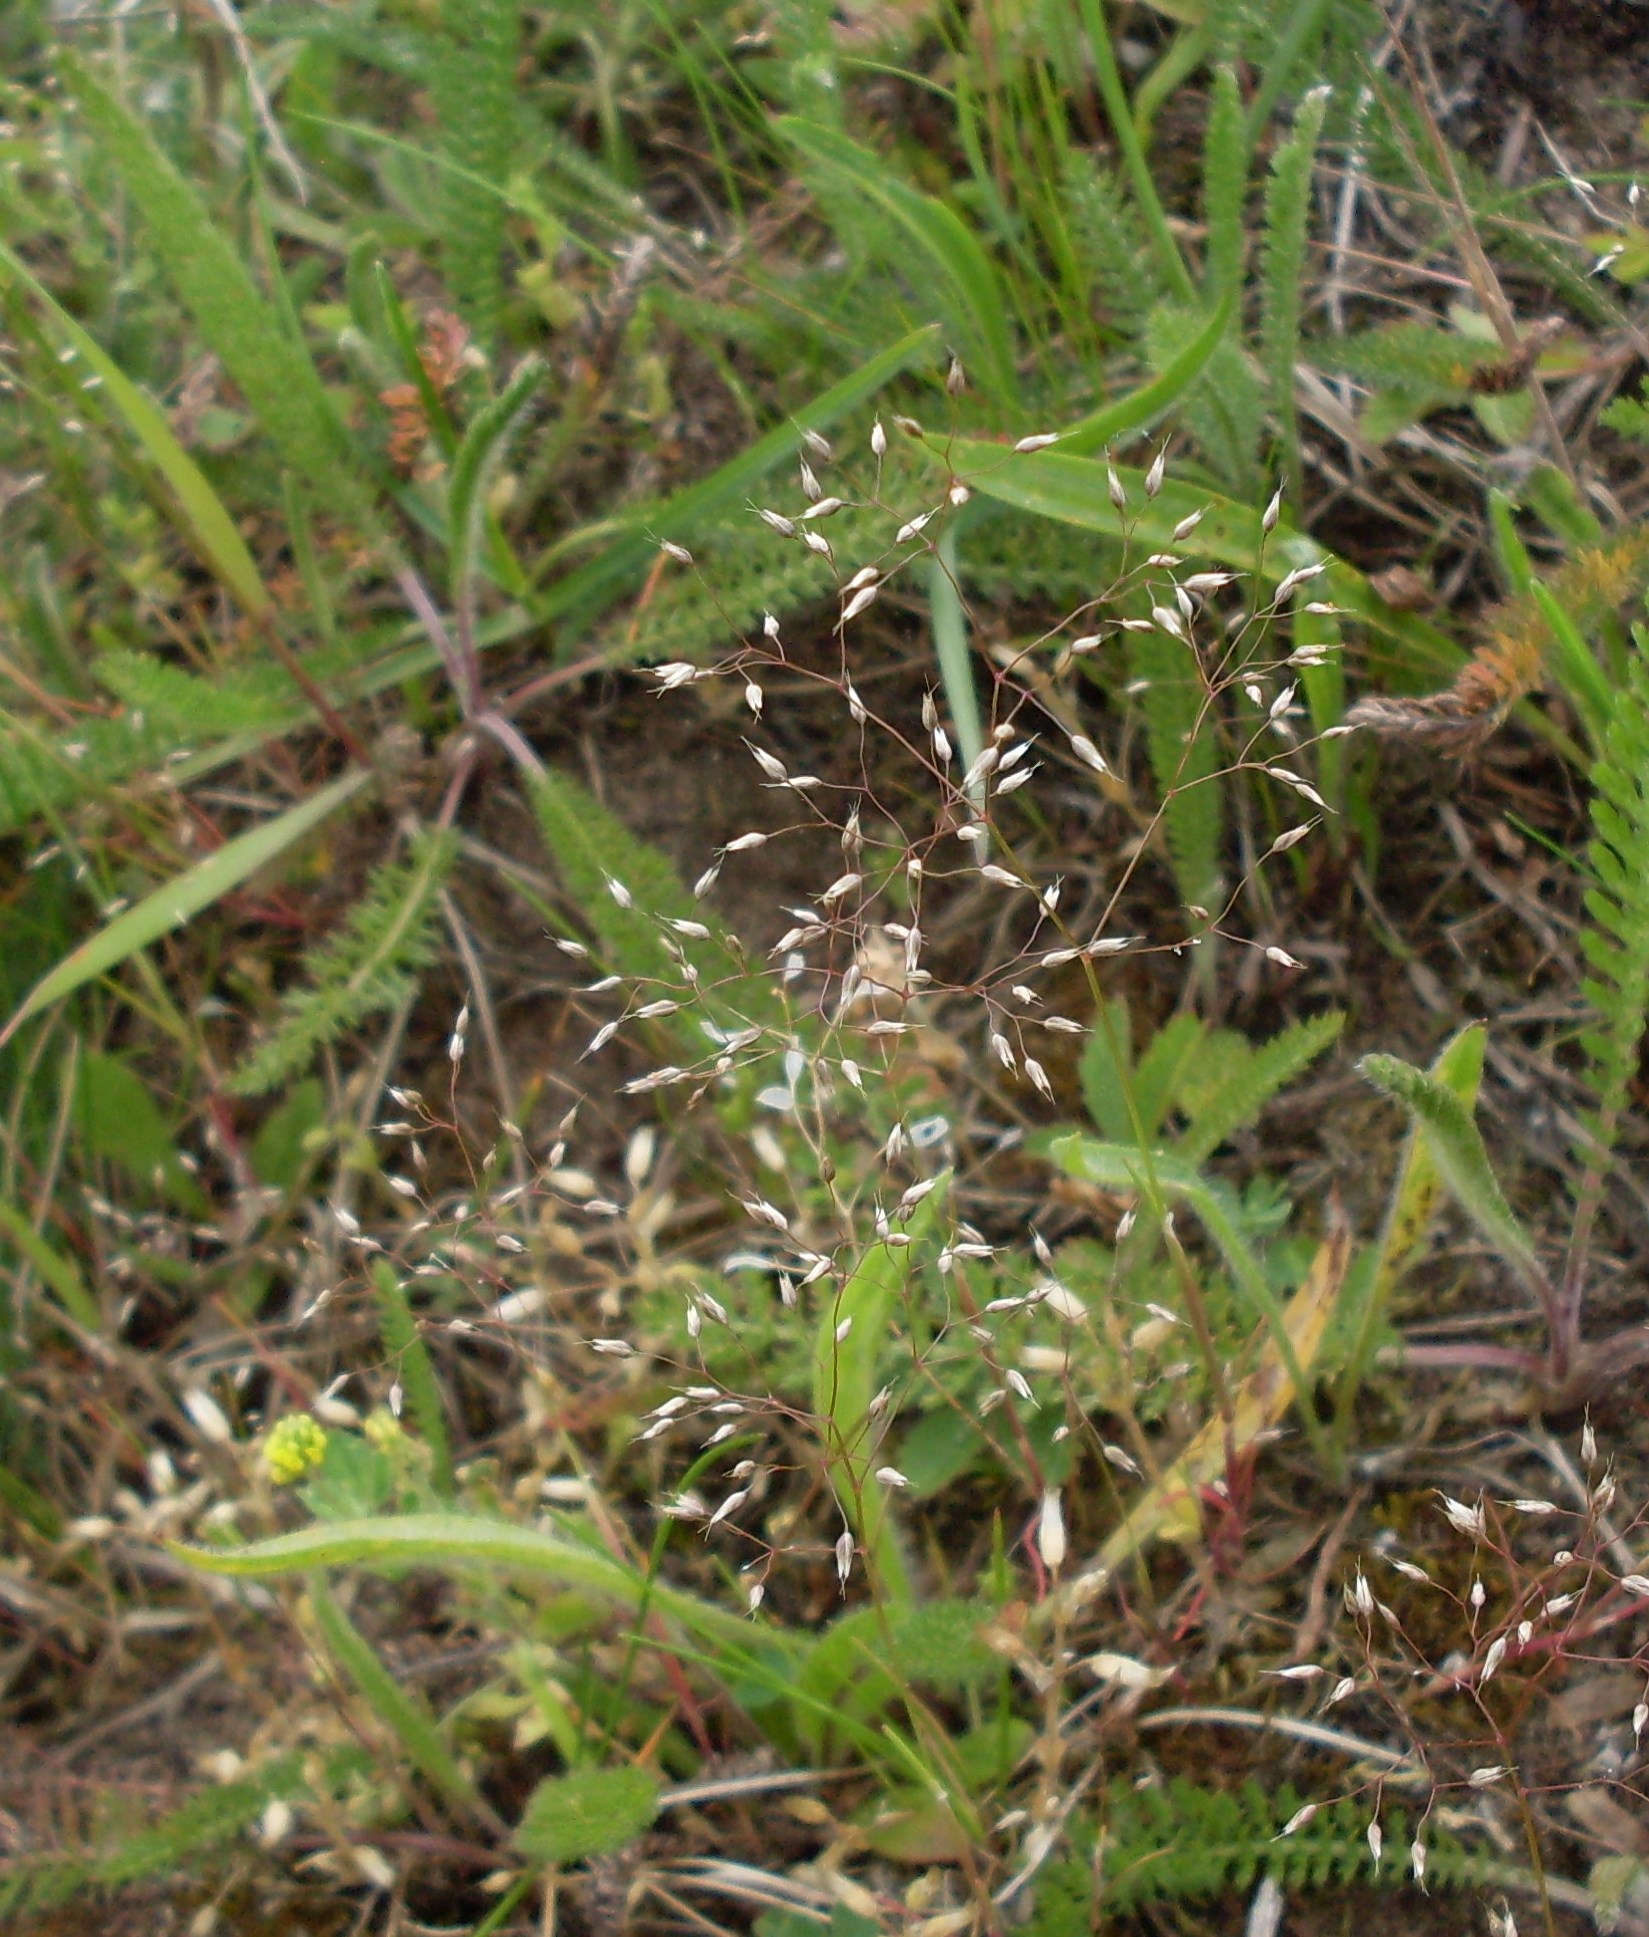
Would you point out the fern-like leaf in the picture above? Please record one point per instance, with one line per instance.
(1287, 211)
(1225, 183)
(362, 971)
(1258, 1076)
(1617, 944)
(162, 1850)
(475, 100)
(1181, 1842)
(636, 905)
(1109, 241)
(1181, 741)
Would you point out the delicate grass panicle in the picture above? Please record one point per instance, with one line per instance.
(846, 1339)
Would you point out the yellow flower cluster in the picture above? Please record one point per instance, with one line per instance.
(296, 1446)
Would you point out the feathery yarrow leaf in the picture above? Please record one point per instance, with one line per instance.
(1616, 947)
(364, 969)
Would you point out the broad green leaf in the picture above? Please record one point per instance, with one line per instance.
(1456, 1147)
(119, 1121)
(212, 529)
(593, 1812)
(353, 1481)
(1074, 490)
(453, 1541)
(184, 897)
(242, 328)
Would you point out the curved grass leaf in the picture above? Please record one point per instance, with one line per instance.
(844, 1376)
(975, 304)
(453, 1541)
(591, 588)
(186, 895)
(1451, 1133)
(208, 524)
(1109, 421)
(1459, 1069)
(406, 1718)
(55, 1270)
(243, 329)
(1073, 490)
(483, 444)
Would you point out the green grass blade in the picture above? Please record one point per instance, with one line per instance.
(182, 898)
(57, 1272)
(1100, 427)
(844, 1375)
(948, 619)
(405, 1717)
(588, 590)
(1072, 490)
(240, 326)
(208, 524)
(1509, 549)
(975, 304)
(405, 1345)
(497, 1547)
(1287, 212)
(1576, 666)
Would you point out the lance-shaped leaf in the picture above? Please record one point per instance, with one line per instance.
(180, 899)
(454, 1541)
(1456, 1147)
